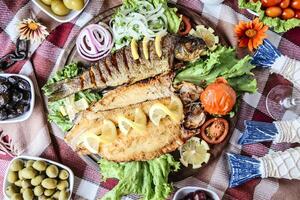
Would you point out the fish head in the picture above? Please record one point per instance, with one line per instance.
(189, 48)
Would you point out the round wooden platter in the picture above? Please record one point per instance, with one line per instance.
(197, 19)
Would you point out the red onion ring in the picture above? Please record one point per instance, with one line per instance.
(94, 42)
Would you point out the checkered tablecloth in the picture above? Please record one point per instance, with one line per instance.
(41, 139)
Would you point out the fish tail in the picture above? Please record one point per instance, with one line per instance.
(265, 55)
(258, 132)
(63, 89)
(242, 169)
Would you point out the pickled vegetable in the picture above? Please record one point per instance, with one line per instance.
(270, 3)
(29, 163)
(25, 184)
(63, 195)
(56, 195)
(287, 13)
(16, 196)
(18, 183)
(39, 165)
(62, 185)
(284, 4)
(28, 173)
(59, 8)
(16, 165)
(49, 183)
(12, 177)
(74, 4)
(63, 174)
(273, 11)
(52, 171)
(47, 2)
(28, 194)
(38, 190)
(10, 190)
(37, 180)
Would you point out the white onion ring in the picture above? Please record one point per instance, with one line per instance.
(94, 42)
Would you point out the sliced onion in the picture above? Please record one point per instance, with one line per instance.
(94, 42)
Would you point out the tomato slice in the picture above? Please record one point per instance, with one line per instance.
(185, 27)
(215, 130)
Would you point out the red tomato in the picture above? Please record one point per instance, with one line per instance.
(215, 130)
(287, 13)
(285, 3)
(273, 11)
(269, 3)
(297, 14)
(296, 4)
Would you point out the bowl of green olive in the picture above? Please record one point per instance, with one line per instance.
(30, 178)
(61, 10)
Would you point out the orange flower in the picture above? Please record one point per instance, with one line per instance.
(251, 33)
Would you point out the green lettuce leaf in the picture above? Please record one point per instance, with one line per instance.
(146, 178)
(279, 25)
(220, 63)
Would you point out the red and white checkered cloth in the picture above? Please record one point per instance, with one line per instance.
(38, 138)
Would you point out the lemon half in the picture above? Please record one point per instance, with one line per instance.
(139, 123)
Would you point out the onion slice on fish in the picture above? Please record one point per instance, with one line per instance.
(94, 42)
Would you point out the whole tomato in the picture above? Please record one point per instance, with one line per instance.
(297, 14)
(273, 11)
(287, 13)
(269, 3)
(296, 4)
(285, 4)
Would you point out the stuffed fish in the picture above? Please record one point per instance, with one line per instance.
(281, 164)
(277, 132)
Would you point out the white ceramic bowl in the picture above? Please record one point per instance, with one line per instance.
(61, 19)
(27, 114)
(70, 180)
(181, 193)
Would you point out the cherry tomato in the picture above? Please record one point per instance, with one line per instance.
(273, 11)
(215, 130)
(284, 4)
(287, 13)
(297, 14)
(185, 26)
(296, 4)
(269, 3)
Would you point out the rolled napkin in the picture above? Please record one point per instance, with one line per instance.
(277, 132)
(268, 56)
(281, 164)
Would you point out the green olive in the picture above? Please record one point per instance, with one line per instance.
(29, 163)
(18, 183)
(12, 176)
(16, 165)
(63, 174)
(56, 195)
(62, 185)
(26, 184)
(49, 192)
(37, 180)
(39, 165)
(42, 197)
(59, 8)
(63, 195)
(28, 173)
(50, 198)
(22, 190)
(38, 190)
(74, 4)
(52, 171)
(10, 190)
(16, 196)
(49, 183)
(47, 2)
(28, 194)
(20, 175)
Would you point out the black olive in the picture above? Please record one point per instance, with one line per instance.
(26, 97)
(4, 99)
(20, 109)
(13, 79)
(3, 114)
(24, 85)
(16, 96)
(4, 87)
(26, 107)
(10, 105)
(2, 79)
(12, 113)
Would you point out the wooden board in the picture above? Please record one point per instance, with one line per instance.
(197, 19)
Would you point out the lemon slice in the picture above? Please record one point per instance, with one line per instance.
(157, 44)
(145, 47)
(159, 111)
(207, 34)
(194, 152)
(140, 117)
(139, 123)
(108, 132)
(92, 143)
(134, 49)
(81, 104)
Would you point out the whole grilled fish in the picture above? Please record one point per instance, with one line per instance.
(121, 68)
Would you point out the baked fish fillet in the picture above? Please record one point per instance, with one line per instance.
(120, 68)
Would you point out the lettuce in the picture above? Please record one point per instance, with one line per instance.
(221, 63)
(146, 178)
(279, 25)
(55, 115)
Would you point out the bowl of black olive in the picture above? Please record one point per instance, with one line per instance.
(16, 98)
(195, 193)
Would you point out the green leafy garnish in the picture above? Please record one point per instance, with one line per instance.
(146, 178)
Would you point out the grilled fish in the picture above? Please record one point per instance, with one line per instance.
(121, 68)
(155, 141)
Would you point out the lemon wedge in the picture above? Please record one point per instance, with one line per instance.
(140, 117)
(145, 47)
(157, 44)
(81, 104)
(159, 111)
(134, 49)
(108, 132)
(138, 125)
(92, 143)
(207, 34)
(194, 152)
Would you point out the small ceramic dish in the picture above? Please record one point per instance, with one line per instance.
(28, 113)
(181, 193)
(62, 19)
(25, 158)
